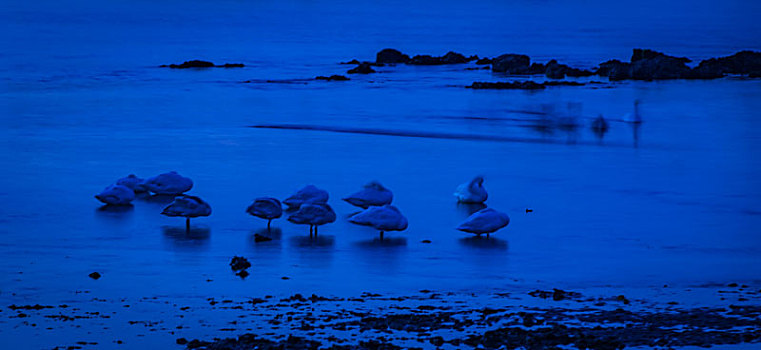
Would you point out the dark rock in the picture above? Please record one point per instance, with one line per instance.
(239, 263)
(426, 241)
(452, 57)
(428, 60)
(362, 68)
(537, 68)
(354, 61)
(261, 238)
(646, 54)
(242, 274)
(520, 85)
(483, 61)
(94, 275)
(232, 65)
(181, 341)
(554, 70)
(511, 64)
(192, 64)
(391, 56)
(657, 66)
(615, 70)
(334, 77)
(743, 62)
(517, 85)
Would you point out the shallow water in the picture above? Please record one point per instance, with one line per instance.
(84, 104)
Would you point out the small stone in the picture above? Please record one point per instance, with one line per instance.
(94, 275)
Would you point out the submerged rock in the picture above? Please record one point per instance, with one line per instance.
(201, 64)
(94, 275)
(334, 77)
(516, 85)
(554, 70)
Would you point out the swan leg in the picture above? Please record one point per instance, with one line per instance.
(315, 230)
(268, 224)
(187, 224)
(487, 235)
(381, 235)
(310, 231)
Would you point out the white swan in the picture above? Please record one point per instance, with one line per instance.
(472, 192)
(372, 195)
(313, 214)
(385, 218)
(116, 195)
(309, 193)
(484, 221)
(188, 207)
(266, 208)
(170, 183)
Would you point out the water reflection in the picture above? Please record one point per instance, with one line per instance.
(179, 237)
(114, 209)
(315, 241)
(482, 242)
(392, 242)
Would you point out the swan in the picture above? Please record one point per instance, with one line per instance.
(313, 214)
(472, 192)
(188, 207)
(372, 195)
(266, 208)
(170, 183)
(309, 193)
(385, 218)
(484, 221)
(132, 182)
(116, 195)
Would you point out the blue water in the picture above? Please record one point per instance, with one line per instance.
(83, 103)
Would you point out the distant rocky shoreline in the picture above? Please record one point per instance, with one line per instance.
(644, 64)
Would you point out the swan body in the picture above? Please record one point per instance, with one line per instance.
(266, 208)
(187, 206)
(132, 182)
(372, 195)
(472, 192)
(313, 214)
(384, 218)
(484, 221)
(309, 193)
(170, 183)
(116, 195)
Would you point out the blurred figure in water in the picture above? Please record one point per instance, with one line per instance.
(599, 127)
(635, 120)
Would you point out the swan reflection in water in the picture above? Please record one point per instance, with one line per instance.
(481, 242)
(179, 237)
(315, 241)
(115, 209)
(392, 242)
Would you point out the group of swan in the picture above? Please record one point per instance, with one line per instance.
(170, 184)
(309, 205)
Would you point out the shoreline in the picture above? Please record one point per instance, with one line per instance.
(539, 318)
